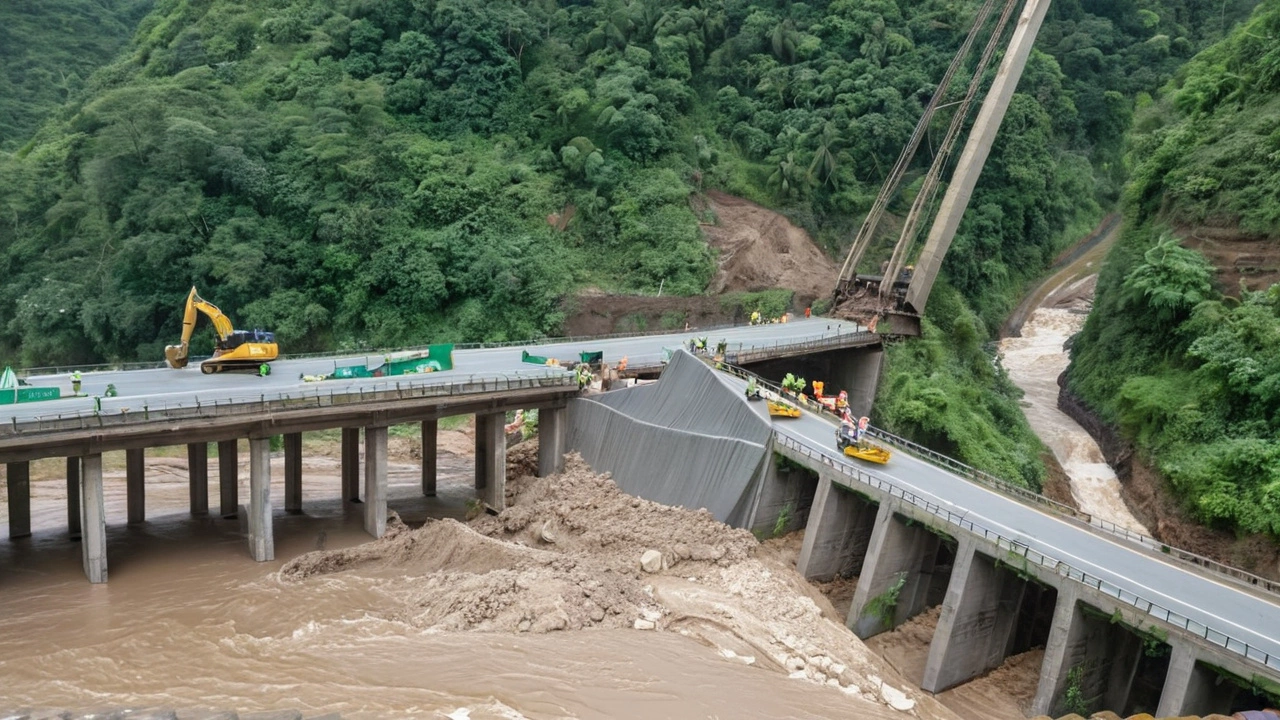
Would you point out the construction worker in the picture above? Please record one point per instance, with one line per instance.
(264, 370)
(807, 312)
(755, 317)
(75, 382)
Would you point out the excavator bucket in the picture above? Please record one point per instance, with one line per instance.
(176, 356)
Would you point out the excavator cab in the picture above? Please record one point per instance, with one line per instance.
(235, 349)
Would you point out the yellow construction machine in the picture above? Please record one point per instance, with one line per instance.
(245, 350)
(779, 408)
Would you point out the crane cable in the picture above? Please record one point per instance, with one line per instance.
(932, 181)
(869, 224)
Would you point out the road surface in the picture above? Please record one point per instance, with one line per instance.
(154, 388)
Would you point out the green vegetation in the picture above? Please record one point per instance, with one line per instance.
(882, 606)
(784, 519)
(1073, 699)
(1190, 374)
(360, 174)
(47, 50)
(946, 391)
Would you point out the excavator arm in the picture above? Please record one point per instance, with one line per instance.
(176, 355)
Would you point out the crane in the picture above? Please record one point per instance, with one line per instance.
(902, 290)
(235, 349)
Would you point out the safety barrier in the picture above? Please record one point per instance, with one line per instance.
(260, 403)
(1020, 493)
(367, 351)
(1020, 549)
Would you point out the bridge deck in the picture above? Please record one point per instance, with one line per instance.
(146, 395)
(1219, 611)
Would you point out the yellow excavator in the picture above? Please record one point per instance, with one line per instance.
(235, 350)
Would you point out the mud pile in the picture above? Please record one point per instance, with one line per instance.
(572, 551)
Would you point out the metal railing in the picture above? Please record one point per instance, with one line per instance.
(1018, 492)
(360, 352)
(1021, 549)
(259, 403)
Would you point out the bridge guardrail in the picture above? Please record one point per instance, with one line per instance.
(265, 402)
(357, 352)
(1020, 549)
(954, 466)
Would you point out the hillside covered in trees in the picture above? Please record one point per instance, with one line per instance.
(356, 173)
(48, 48)
(1185, 364)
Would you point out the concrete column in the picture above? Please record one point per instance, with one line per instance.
(135, 475)
(73, 497)
(198, 472)
(375, 481)
(977, 621)
(866, 378)
(896, 552)
(1054, 668)
(229, 477)
(19, 479)
(261, 540)
(1106, 653)
(837, 533)
(93, 519)
(293, 473)
(495, 464)
(552, 426)
(351, 464)
(430, 430)
(482, 451)
(1191, 688)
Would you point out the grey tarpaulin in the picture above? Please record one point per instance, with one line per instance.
(691, 439)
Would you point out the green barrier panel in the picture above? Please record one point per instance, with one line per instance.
(591, 358)
(436, 359)
(29, 394)
(534, 359)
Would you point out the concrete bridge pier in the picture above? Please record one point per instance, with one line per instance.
(375, 480)
(430, 450)
(73, 497)
(493, 460)
(482, 449)
(93, 518)
(902, 555)
(293, 473)
(229, 478)
(198, 476)
(1085, 641)
(976, 626)
(1191, 688)
(552, 428)
(135, 467)
(18, 477)
(261, 539)
(838, 532)
(351, 464)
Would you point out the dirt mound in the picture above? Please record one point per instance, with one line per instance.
(573, 551)
(583, 512)
(760, 250)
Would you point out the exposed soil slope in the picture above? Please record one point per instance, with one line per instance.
(759, 249)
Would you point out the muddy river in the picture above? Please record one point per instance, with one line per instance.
(1034, 362)
(189, 621)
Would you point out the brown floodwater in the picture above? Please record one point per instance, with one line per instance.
(188, 620)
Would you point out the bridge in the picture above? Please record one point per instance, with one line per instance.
(163, 407)
(1147, 627)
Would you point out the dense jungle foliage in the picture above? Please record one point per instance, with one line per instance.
(384, 172)
(1191, 373)
(48, 48)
